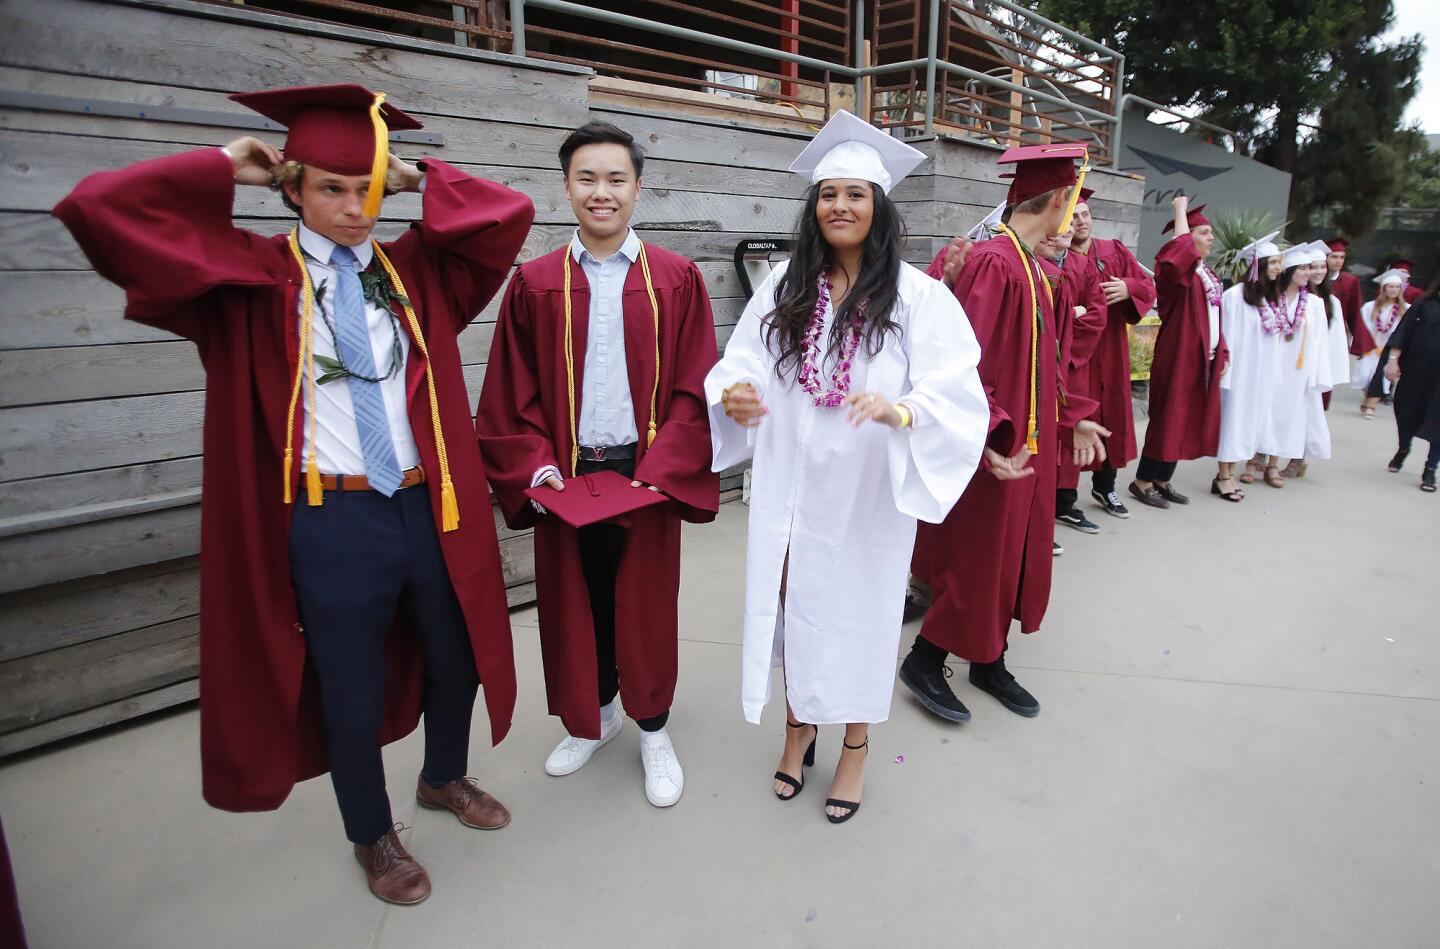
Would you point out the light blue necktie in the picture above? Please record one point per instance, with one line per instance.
(382, 469)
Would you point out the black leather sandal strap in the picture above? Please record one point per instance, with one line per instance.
(784, 778)
(863, 744)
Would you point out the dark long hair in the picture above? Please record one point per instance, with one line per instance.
(1324, 292)
(1286, 279)
(1262, 288)
(877, 284)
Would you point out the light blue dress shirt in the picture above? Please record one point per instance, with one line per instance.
(607, 412)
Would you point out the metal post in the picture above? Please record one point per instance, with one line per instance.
(857, 10)
(517, 27)
(930, 64)
(1119, 93)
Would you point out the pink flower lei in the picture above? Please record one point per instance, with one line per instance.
(1275, 320)
(809, 375)
(1212, 283)
(1383, 325)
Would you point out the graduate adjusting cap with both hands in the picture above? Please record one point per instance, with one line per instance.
(1039, 169)
(341, 129)
(850, 147)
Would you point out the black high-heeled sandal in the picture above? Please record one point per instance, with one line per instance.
(1398, 461)
(798, 783)
(1236, 495)
(853, 806)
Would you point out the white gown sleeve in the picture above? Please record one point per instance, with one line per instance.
(1231, 304)
(1338, 347)
(931, 463)
(746, 360)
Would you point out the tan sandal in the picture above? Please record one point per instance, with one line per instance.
(1276, 480)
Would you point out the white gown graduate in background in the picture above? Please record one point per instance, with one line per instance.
(841, 501)
(1336, 360)
(1304, 371)
(1380, 319)
(1248, 388)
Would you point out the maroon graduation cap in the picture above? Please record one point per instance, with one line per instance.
(592, 498)
(1195, 219)
(329, 127)
(1039, 168)
(1402, 264)
(1085, 194)
(1337, 245)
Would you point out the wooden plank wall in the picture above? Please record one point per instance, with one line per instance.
(100, 418)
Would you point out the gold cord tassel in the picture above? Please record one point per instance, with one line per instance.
(304, 371)
(655, 315)
(314, 493)
(381, 162)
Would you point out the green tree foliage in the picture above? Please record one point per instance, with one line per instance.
(1307, 85)
(1420, 180)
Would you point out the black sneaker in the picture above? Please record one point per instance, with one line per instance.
(1110, 503)
(927, 681)
(994, 678)
(1073, 518)
(1058, 549)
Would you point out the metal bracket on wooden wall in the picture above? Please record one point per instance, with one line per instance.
(74, 105)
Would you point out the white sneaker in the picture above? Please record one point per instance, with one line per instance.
(571, 754)
(664, 778)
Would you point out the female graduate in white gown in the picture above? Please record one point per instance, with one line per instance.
(1381, 315)
(1335, 363)
(1303, 373)
(1247, 311)
(849, 448)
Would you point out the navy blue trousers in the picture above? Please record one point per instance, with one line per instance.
(357, 561)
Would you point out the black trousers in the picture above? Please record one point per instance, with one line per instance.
(1065, 499)
(928, 652)
(357, 561)
(1432, 458)
(601, 547)
(1151, 470)
(1103, 480)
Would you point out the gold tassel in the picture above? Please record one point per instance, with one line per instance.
(314, 493)
(381, 163)
(449, 507)
(1075, 195)
(289, 462)
(1033, 443)
(650, 436)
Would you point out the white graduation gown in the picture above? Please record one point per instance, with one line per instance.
(844, 501)
(1335, 369)
(1364, 366)
(1248, 388)
(1303, 375)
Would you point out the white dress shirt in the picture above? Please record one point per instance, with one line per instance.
(337, 440)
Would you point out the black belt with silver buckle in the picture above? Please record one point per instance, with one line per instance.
(610, 453)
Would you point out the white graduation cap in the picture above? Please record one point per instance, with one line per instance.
(1298, 255)
(991, 221)
(1257, 251)
(1393, 276)
(1319, 250)
(849, 147)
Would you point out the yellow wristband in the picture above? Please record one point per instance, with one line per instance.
(905, 417)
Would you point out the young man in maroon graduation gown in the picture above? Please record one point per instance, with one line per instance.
(1129, 295)
(990, 561)
(572, 388)
(1346, 287)
(349, 572)
(1080, 312)
(1190, 358)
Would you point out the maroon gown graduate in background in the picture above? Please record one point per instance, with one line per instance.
(1346, 287)
(1184, 380)
(162, 230)
(1079, 285)
(524, 424)
(1109, 367)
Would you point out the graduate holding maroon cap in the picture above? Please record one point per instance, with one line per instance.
(989, 563)
(593, 408)
(1190, 358)
(349, 573)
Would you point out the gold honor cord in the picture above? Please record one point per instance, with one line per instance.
(1032, 430)
(305, 369)
(570, 356)
(1075, 195)
(380, 163)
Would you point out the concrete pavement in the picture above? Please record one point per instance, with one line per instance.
(1237, 748)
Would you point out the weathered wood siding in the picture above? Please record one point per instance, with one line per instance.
(100, 418)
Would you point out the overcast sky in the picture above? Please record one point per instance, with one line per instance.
(1423, 17)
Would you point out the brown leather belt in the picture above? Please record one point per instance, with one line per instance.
(409, 478)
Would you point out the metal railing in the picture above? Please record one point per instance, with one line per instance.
(992, 71)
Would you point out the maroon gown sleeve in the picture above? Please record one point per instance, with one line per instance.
(509, 419)
(937, 266)
(469, 233)
(678, 463)
(1141, 287)
(981, 289)
(1085, 333)
(1175, 266)
(162, 231)
(1361, 342)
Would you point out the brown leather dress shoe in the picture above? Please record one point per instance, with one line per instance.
(393, 874)
(1148, 496)
(463, 796)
